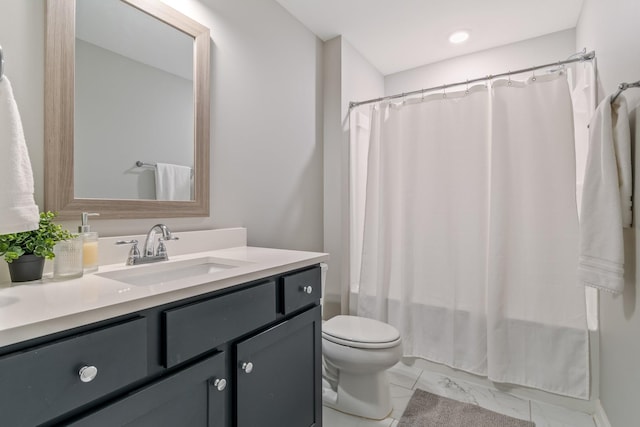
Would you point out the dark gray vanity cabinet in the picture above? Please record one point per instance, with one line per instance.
(246, 356)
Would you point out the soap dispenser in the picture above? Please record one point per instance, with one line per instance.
(89, 244)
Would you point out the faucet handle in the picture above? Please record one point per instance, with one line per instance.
(162, 249)
(134, 253)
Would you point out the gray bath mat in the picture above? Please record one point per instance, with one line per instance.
(426, 409)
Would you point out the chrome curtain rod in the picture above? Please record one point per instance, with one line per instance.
(581, 58)
(624, 86)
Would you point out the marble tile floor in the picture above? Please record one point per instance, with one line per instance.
(404, 379)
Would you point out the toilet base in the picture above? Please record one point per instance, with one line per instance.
(364, 395)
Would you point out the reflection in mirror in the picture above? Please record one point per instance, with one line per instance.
(133, 102)
(130, 84)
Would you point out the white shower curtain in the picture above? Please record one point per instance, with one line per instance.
(470, 233)
(359, 132)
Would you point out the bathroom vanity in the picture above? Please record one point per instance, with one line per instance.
(237, 346)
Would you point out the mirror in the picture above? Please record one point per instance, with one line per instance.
(126, 81)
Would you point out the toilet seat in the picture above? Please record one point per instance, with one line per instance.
(360, 332)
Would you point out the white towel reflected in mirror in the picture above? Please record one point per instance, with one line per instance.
(173, 182)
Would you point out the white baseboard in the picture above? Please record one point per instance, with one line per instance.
(600, 417)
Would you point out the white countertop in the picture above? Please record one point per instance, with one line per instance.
(43, 307)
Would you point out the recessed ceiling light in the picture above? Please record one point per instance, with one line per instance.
(459, 37)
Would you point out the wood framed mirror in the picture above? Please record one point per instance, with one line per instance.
(71, 178)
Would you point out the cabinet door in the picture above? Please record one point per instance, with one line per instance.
(278, 375)
(190, 397)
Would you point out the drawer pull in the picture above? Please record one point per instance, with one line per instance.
(220, 384)
(88, 373)
(307, 289)
(247, 367)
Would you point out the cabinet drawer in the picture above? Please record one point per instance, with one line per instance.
(300, 289)
(202, 326)
(44, 382)
(190, 397)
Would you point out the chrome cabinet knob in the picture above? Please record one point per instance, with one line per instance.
(88, 373)
(247, 367)
(307, 289)
(220, 384)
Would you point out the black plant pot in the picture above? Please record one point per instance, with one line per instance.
(26, 268)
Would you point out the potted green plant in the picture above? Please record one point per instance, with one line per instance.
(26, 251)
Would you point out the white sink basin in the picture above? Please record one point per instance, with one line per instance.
(168, 271)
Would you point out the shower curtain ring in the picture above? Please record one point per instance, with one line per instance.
(444, 91)
(423, 94)
(509, 82)
(466, 92)
(534, 75)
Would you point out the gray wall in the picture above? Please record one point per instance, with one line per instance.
(612, 29)
(266, 142)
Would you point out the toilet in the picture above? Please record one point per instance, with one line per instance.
(356, 353)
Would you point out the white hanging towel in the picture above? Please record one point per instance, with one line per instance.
(622, 147)
(18, 210)
(606, 198)
(173, 182)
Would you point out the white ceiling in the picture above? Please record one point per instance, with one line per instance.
(396, 35)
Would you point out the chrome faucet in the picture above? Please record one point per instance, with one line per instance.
(151, 253)
(149, 243)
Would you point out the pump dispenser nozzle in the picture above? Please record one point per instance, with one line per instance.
(85, 227)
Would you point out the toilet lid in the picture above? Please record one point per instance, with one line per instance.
(360, 332)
